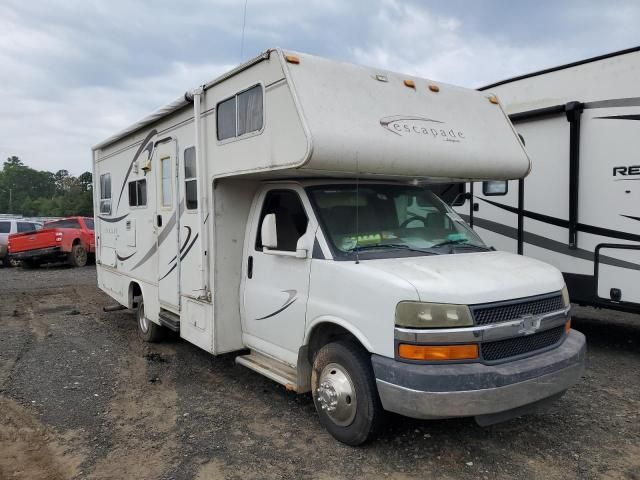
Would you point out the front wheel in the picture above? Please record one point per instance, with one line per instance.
(345, 394)
(147, 330)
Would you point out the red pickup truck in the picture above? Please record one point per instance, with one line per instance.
(70, 239)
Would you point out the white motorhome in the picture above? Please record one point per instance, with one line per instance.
(579, 209)
(277, 209)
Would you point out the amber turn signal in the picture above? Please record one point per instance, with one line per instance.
(438, 352)
(567, 326)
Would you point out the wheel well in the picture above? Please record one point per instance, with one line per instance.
(325, 333)
(76, 241)
(134, 291)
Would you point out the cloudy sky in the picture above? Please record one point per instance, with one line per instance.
(73, 72)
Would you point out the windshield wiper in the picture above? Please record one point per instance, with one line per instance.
(460, 242)
(399, 246)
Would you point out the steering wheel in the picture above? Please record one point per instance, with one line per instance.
(413, 218)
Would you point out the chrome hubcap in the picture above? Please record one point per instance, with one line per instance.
(336, 395)
(142, 320)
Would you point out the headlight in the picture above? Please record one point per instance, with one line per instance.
(432, 315)
(565, 296)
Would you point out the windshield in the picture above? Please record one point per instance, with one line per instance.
(391, 217)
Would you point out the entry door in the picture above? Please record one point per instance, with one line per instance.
(167, 226)
(276, 286)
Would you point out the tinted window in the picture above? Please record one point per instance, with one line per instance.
(26, 227)
(138, 193)
(89, 223)
(65, 223)
(5, 227)
(226, 119)
(291, 219)
(190, 181)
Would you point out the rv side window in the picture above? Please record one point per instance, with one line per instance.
(240, 114)
(495, 188)
(105, 193)
(138, 193)
(166, 181)
(190, 182)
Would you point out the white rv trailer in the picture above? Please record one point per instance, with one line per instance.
(579, 208)
(277, 210)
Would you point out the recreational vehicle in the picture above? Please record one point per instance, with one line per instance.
(279, 211)
(579, 209)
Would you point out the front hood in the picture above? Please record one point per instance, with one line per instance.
(471, 278)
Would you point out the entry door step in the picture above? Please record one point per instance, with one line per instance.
(270, 368)
(169, 319)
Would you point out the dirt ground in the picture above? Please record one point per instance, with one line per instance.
(82, 397)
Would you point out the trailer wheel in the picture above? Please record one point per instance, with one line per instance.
(78, 256)
(147, 330)
(345, 394)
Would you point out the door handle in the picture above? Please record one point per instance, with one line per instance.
(250, 266)
(159, 220)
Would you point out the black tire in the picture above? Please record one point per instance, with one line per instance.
(356, 363)
(78, 256)
(6, 262)
(148, 331)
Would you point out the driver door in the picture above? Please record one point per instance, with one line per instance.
(276, 283)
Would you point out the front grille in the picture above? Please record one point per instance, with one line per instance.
(520, 345)
(485, 315)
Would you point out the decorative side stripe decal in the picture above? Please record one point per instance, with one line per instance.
(114, 219)
(122, 259)
(183, 245)
(181, 257)
(605, 232)
(548, 244)
(287, 303)
(620, 117)
(629, 216)
(145, 145)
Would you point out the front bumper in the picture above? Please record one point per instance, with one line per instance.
(476, 389)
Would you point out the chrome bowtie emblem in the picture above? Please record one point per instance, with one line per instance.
(529, 324)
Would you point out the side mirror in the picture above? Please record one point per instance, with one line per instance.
(460, 199)
(269, 231)
(301, 250)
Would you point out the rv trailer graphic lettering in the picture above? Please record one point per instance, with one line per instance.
(405, 125)
(623, 173)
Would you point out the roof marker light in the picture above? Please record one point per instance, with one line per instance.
(434, 88)
(493, 99)
(292, 59)
(381, 78)
(410, 83)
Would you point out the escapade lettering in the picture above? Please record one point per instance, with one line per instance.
(451, 133)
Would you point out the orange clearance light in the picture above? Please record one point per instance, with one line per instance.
(292, 59)
(410, 83)
(567, 326)
(438, 352)
(493, 99)
(434, 88)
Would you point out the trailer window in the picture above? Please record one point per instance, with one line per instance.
(241, 114)
(5, 227)
(166, 181)
(190, 181)
(138, 193)
(495, 188)
(105, 193)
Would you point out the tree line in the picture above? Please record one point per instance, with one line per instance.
(38, 193)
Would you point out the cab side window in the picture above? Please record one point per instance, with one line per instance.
(291, 219)
(26, 227)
